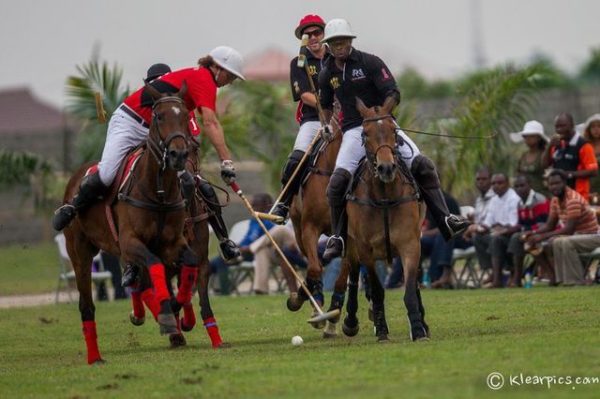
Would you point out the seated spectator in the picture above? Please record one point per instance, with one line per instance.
(483, 182)
(260, 203)
(570, 152)
(572, 228)
(530, 163)
(533, 212)
(493, 234)
(591, 132)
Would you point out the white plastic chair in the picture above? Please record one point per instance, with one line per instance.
(66, 273)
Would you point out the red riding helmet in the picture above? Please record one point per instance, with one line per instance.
(309, 20)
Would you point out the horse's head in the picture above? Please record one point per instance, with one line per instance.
(379, 138)
(169, 130)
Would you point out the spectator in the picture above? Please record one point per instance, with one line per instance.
(572, 228)
(591, 133)
(530, 163)
(493, 234)
(570, 152)
(533, 212)
(483, 183)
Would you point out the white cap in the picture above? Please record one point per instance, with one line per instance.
(337, 28)
(228, 59)
(530, 128)
(588, 122)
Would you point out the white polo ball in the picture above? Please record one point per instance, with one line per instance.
(297, 340)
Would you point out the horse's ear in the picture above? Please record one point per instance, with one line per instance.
(155, 94)
(388, 105)
(361, 107)
(183, 90)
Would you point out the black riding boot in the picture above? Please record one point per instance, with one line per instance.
(282, 208)
(229, 249)
(336, 192)
(90, 189)
(428, 181)
(188, 186)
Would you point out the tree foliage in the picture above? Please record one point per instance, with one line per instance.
(93, 77)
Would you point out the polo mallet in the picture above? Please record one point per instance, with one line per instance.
(322, 316)
(100, 112)
(302, 64)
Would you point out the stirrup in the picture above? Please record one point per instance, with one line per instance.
(335, 248)
(229, 250)
(281, 210)
(63, 216)
(456, 224)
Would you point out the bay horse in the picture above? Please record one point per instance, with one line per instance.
(384, 221)
(149, 217)
(310, 216)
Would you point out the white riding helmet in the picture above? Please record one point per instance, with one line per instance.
(229, 59)
(337, 28)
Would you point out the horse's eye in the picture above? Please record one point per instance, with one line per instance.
(159, 117)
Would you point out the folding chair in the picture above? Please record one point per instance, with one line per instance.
(589, 261)
(244, 270)
(66, 273)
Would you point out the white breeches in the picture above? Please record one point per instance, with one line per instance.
(352, 150)
(124, 133)
(306, 134)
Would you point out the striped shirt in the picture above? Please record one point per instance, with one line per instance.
(533, 212)
(574, 207)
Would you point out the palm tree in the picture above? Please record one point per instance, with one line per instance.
(496, 101)
(94, 77)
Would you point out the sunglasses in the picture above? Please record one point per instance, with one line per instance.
(315, 33)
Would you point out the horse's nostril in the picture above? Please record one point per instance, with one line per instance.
(173, 154)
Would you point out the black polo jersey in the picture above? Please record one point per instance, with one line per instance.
(365, 76)
(300, 84)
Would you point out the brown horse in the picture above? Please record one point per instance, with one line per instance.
(310, 216)
(149, 217)
(384, 220)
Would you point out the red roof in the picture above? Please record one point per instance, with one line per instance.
(272, 65)
(20, 111)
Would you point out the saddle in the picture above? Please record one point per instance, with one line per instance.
(313, 157)
(123, 177)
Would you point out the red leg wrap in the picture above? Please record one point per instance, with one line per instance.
(187, 282)
(151, 302)
(159, 281)
(189, 318)
(137, 304)
(213, 331)
(91, 341)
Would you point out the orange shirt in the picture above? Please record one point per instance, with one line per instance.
(587, 161)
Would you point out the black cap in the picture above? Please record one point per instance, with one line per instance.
(156, 71)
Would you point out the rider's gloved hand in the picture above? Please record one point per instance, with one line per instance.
(228, 171)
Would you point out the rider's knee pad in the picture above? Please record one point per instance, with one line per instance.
(338, 185)
(425, 173)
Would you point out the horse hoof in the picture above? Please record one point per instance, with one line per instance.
(168, 324)
(318, 325)
(383, 339)
(99, 362)
(177, 340)
(222, 345)
(135, 320)
(350, 331)
(330, 330)
(418, 334)
(294, 302)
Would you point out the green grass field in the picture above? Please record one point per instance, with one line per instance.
(537, 332)
(28, 269)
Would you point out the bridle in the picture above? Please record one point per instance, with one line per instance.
(372, 156)
(159, 148)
